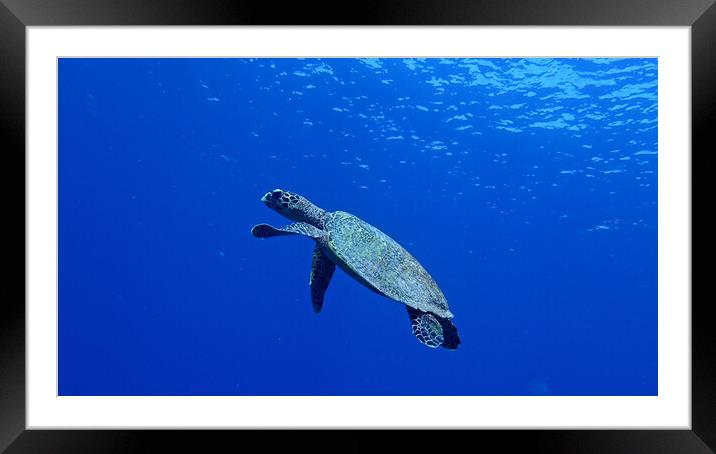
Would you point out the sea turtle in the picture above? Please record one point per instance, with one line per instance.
(369, 256)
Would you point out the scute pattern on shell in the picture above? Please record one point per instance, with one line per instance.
(383, 263)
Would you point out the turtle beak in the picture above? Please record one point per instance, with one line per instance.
(271, 197)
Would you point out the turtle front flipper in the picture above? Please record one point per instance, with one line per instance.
(433, 331)
(322, 269)
(297, 228)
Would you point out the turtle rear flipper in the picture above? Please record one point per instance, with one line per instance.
(297, 228)
(450, 337)
(426, 328)
(433, 331)
(322, 269)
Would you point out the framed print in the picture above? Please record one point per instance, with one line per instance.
(238, 218)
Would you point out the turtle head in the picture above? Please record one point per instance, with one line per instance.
(294, 207)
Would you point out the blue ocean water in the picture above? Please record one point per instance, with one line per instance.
(526, 187)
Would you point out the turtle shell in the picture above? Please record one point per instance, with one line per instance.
(379, 262)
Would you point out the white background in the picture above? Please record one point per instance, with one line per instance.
(670, 409)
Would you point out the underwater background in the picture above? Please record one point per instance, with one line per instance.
(526, 187)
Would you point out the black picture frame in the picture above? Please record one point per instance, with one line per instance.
(16, 15)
